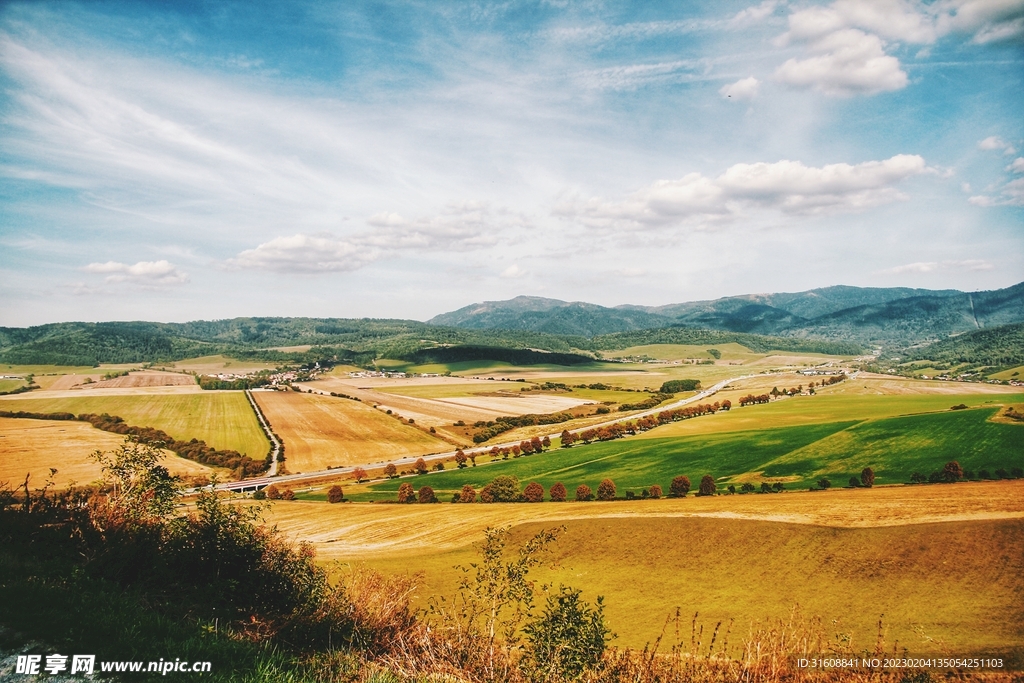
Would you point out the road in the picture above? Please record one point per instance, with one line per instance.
(481, 450)
(275, 445)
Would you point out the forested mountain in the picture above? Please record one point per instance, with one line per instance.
(867, 315)
(840, 320)
(998, 346)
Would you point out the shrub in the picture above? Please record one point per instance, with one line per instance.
(854, 483)
(707, 486)
(918, 478)
(568, 638)
(468, 494)
(426, 495)
(288, 494)
(606, 490)
(984, 474)
(952, 472)
(457, 497)
(259, 495)
(732, 488)
(505, 489)
(778, 487)
(583, 492)
(680, 486)
(273, 493)
(747, 487)
(533, 493)
(486, 494)
(439, 466)
(655, 491)
(390, 471)
(1001, 473)
(558, 492)
(335, 494)
(406, 493)
(824, 484)
(1017, 472)
(867, 477)
(421, 466)
(766, 487)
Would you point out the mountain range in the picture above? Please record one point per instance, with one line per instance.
(885, 315)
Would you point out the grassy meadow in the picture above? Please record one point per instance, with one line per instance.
(223, 419)
(799, 455)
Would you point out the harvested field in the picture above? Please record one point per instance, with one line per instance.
(218, 363)
(365, 530)
(223, 419)
(34, 446)
(734, 557)
(323, 431)
(145, 378)
(519, 405)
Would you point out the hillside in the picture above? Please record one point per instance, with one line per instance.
(894, 316)
(998, 346)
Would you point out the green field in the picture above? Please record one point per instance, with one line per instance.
(745, 570)
(827, 407)
(894, 447)
(1016, 373)
(11, 384)
(223, 420)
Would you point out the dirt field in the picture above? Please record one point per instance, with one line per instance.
(34, 446)
(369, 530)
(519, 405)
(323, 431)
(145, 378)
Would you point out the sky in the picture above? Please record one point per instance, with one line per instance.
(177, 161)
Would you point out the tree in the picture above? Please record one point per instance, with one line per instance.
(335, 494)
(824, 484)
(606, 490)
(390, 471)
(732, 488)
(406, 493)
(867, 477)
(568, 638)
(680, 486)
(655, 491)
(288, 494)
(558, 492)
(918, 478)
(273, 493)
(953, 472)
(746, 487)
(537, 444)
(468, 494)
(439, 466)
(778, 487)
(460, 459)
(141, 490)
(359, 474)
(426, 495)
(583, 492)
(707, 486)
(505, 489)
(533, 493)
(546, 442)
(766, 487)
(854, 482)
(486, 494)
(568, 438)
(421, 466)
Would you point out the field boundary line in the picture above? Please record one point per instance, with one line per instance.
(275, 443)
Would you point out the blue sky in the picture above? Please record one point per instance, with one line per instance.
(197, 160)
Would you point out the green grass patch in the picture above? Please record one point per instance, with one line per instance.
(11, 384)
(223, 419)
(895, 448)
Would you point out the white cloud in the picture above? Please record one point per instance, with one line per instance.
(634, 76)
(994, 142)
(786, 186)
(145, 273)
(988, 20)
(847, 62)
(1016, 166)
(933, 266)
(305, 254)
(743, 89)
(893, 19)
(513, 271)
(754, 14)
